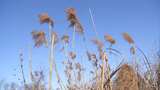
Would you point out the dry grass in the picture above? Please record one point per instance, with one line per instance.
(99, 75)
(126, 79)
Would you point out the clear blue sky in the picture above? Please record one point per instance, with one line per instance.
(140, 18)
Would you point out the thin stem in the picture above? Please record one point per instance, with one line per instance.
(73, 38)
(109, 78)
(102, 76)
(22, 69)
(30, 66)
(50, 57)
(93, 23)
(55, 66)
(146, 59)
(94, 29)
(52, 61)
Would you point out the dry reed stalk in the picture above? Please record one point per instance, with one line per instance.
(105, 59)
(93, 23)
(52, 61)
(68, 68)
(44, 18)
(50, 57)
(21, 67)
(54, 40)
(73, 39)
(57, 74)
(146, 61)
(133, 48)
(100, 46)
(109, 76)
(30, 67)
(65, 39)
(102, 74)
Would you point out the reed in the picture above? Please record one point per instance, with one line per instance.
(99, 76)
(21, 67)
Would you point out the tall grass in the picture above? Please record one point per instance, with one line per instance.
(100, 74)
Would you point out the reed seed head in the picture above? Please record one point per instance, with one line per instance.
(44, 18)
(74, 22)
(128, 38)
(110, 39)
(39, 38)
(98, 43)
(71, 16)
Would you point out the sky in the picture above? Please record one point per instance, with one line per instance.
(140, 18)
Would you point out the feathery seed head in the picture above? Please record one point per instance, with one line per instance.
(39, 38)
(44, 18)
(110, 39)
(98, 43)
(128, 38)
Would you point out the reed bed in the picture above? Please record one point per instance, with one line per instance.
(99, 75)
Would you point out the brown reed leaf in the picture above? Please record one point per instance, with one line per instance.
(44, 18)
(65, 38)
(39, 38)
(128, 38)
(110, 39)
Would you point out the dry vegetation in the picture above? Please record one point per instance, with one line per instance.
(126, 76)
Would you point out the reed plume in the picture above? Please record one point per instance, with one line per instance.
(98, 43)
(39, 38)
(74, 22)
(110, 39)
(128, 38)
(44, 18)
